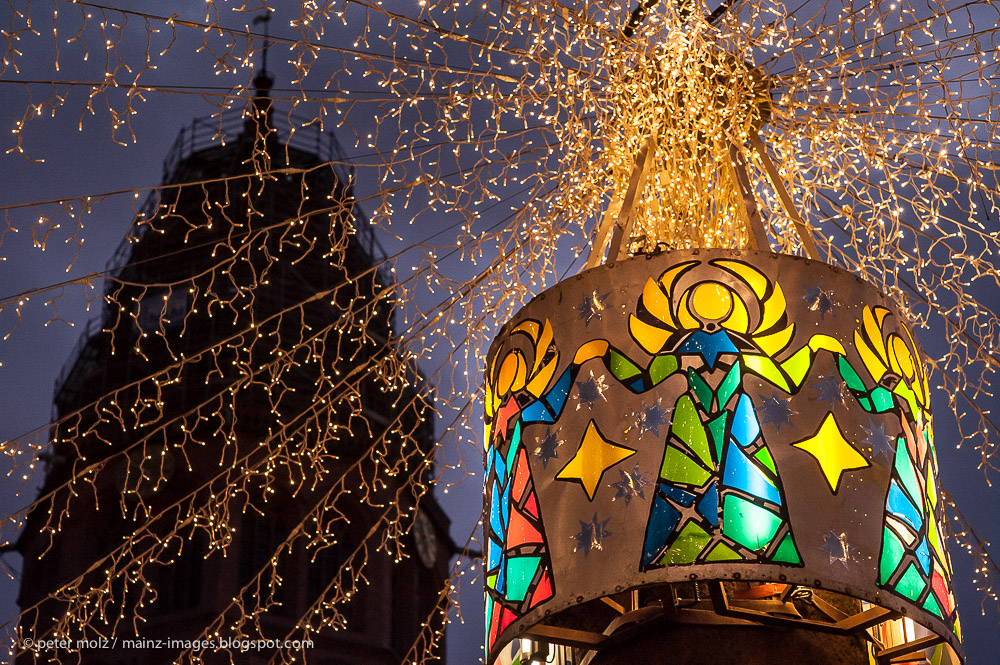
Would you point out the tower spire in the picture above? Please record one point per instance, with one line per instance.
(263, 81)
(258, 122)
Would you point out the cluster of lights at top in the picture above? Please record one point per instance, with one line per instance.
(710, 415)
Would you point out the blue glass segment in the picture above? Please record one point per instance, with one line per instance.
(502, 576)
(677, 494)
(924, 557)
(557, 396)
(493, 551)
(663, 520)
(537, 412)
(902, 507)
(495, 522)
(744, 475)
(500, 467)
(708, 345)
(708, 506)
(745, 429)
(504, 508)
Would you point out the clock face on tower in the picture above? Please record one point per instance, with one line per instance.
(427, 542)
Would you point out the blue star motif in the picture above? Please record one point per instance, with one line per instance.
(593, 306)
(590, 390)
(831, 389)
(650, 418)
(591, 536)
(547, 448)
(820, 300)
(630, 485)
(775, 410)
(708, 345)
(881, 443)
(838, 548)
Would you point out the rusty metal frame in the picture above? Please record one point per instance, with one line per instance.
(723, 611)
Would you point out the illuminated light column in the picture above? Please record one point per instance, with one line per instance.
(712, 452)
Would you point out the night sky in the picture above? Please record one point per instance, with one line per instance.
(89, 162)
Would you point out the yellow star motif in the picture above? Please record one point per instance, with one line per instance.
(594, 456)
(834, 453)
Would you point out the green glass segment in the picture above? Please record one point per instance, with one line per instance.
(798, 365)
(849, 376)
(622, 367)
(911, 584)
(748, 524)
(717, 428)
(932, 536)
(931, 489)
(701, 390)
(679, 468)
(520, 572)
(865, 403)
(662, 367)
(729, 385)
(908, 395)
(882, 399)
(491, 581)
(723, 552)
(764, 457)
(787, 552)
(907, 474)
(688, 428)
(765, 367)
(691, 541)
(515, 444)
(892, 554)
(931, 605)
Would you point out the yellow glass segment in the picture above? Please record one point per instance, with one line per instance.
(543, 344)
(508, 372)
(739, 320)
(772, 344)
(657, 302)
(876, 368)
(649, 337)
(522, 373)
(595, 456)
(684, 316)
(881, 313)
(831, 344)
(540, 382)
(670, 277)
(592, 349)
(834, 453)
(754, 279)
(901, 358)
(490, 401)
(530, 327)
(712, 301)
(774, 308)
(874, 332)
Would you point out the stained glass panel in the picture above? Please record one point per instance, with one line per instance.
(748, 524)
